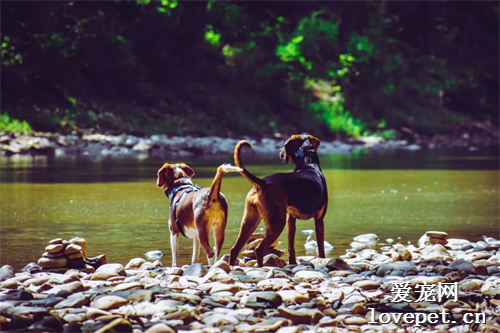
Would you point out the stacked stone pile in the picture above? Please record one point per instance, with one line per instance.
(437, 237)
(61, 255)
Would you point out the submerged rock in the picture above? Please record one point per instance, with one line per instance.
(6, 272)
(154, 255)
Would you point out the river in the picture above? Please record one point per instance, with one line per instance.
(115, 205)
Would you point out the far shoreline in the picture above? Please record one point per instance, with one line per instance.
(96, 144)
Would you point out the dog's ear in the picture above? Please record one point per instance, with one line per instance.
(165, 176)
(314, 141)
(187, 170)
(290, 148)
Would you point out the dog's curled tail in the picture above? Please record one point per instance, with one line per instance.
(256, 181)
(216, 183)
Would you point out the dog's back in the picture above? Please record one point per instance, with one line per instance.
(305, 190)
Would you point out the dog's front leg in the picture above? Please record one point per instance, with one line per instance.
(196, 250)
(291, 228)
(319, 225)
(174, 243)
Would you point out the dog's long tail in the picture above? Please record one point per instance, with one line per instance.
(256, 181)
(216, 183)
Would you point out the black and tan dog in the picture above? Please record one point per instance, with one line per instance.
(194, 211)
(282, 198)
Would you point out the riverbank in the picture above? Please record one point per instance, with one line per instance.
(362, 291)
(472, 137)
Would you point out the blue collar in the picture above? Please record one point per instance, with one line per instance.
(178, 188)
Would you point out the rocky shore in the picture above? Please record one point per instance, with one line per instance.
(472, 137)
(354, 293)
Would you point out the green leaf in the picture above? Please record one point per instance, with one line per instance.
(298, 39)
(72, 100)
(212, 37)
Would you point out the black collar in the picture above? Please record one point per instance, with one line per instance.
(305, 152)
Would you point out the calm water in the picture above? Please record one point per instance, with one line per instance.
(115, 205)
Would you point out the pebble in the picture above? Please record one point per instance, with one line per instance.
(355, 320)
(301, 316)
(436, 234)
(403, 252)
(272, 260)
(106, 271)
(56, 241)
(52, 262)
(159, 328)
(367, 284)
(6, 272)
(54, 248)
(52, 255)
(72, 248)
(197, 269)
(401, 268)
(436, 251)
(318, 295)
(433, 240)
(108, 302)
(74, 301)
(309, 276)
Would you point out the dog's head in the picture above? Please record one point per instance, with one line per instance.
(294, 143)
(168, 173)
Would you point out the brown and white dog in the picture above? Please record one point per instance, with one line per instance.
(282, 198)
(194, 211)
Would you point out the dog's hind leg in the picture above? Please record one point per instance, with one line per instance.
(275, 223)
(174, 244)
(219, 230)
(203, 236)
(251, 219)
(291, 228)
(196, 250)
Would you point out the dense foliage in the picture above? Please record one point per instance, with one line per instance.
(254, 68)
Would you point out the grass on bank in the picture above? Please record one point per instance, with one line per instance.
(8, 124)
